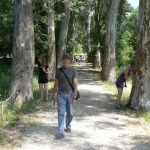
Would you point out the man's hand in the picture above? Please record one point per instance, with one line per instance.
(74, 102)
(53, 101)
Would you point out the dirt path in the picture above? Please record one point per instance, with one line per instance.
(97, 125)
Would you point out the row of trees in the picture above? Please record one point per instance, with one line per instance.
(99, 27)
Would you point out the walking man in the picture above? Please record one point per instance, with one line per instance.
(66, 96)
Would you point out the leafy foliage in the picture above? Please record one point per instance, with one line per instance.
(4, 78)
(127, 32)
(6, 27)
(40, 12)
(74, 47)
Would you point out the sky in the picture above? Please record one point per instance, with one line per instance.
(134, 3)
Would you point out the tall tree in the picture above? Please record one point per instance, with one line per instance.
(140, 94)
(51, 38)
(126, 35)
(23, 52)
(40, 14)
(100, 15)
(77, 33)
(100, 19)
(109, 59)
(62, 33)
(89, 14)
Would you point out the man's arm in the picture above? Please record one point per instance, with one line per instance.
(75, 86)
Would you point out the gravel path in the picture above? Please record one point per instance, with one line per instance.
(97, 125)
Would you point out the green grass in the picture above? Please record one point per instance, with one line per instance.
(111, 89)
(13, 115)
(143, 114)
(10, 112)
(4, 80)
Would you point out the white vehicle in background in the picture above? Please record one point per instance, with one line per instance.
(79, 58)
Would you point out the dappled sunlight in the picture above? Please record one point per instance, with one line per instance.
(97, 124)
(89, 106)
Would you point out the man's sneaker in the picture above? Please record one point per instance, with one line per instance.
(67, 130)
(59, 136)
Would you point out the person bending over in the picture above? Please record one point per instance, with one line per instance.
(121, 82)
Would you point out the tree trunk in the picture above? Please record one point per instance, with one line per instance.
(52, 50)
(89, 15)
(100, 10)
(109, 59)
(62, 39)
(23, 53)
(140, 95)
(97, 62)
(72, 27)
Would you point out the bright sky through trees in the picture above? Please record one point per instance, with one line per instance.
(134, 3)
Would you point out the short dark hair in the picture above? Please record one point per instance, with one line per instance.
(66, 56)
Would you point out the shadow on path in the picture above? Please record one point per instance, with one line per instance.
(97, 125)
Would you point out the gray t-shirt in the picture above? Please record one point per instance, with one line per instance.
(63, 84)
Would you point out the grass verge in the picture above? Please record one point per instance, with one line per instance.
(112, 90)
(14, 117)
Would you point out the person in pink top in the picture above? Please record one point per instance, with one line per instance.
(121, 82)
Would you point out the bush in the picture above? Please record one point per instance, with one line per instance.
(74, 47)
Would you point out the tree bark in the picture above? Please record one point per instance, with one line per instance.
(100, 10)
(97, 62)
(89, 15)
(140, 94)
(63, 32)
(72, 27)
(109, 58)
(52, 50)
(23, 53)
